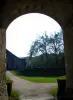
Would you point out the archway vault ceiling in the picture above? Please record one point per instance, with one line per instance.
(61, 11)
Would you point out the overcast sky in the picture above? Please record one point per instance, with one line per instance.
(25, 29)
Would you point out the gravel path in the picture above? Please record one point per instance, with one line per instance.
(31, 91)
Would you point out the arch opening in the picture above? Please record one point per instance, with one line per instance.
(33, 41)
(22, 28)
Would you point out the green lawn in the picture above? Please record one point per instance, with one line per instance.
(37, 79)
(53, 92)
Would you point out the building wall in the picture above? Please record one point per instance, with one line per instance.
(14, 62)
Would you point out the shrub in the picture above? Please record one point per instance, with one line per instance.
(53, 92)
(62, 78)
(8, 80)
(14, 95)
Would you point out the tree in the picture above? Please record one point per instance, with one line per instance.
(40, 45)
(46, 45)
(56, 45)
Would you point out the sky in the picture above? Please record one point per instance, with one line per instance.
(25, 29)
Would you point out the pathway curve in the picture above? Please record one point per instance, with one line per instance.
(30, 90)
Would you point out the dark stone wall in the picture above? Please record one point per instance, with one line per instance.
(3, 91)
(60, 10)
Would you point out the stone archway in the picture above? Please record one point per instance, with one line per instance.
(61, 11)
(58, 10)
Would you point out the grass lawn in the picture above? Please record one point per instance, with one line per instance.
(53, 92)
(37, 79)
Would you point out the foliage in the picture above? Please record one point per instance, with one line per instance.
(47, 51)
(40, 45)
(56, 43)
(40, 61)
(14, 95)
(42, 72)
(53, 91)
(8, 80)
(45, 44)
(62, 78)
